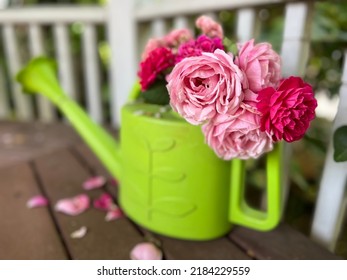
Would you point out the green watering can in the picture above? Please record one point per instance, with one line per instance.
(171, 182)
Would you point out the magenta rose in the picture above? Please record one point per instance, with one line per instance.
(287, 111)
(198, 46)
(202, 86)
(237, 135)
(156, 62)
(261, 64)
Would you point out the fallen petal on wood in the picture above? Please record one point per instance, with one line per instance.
(104, 202)
(146, 251)
(114, 214)
(94, 183)
(37, 201)
(73, 206)
(81, 232)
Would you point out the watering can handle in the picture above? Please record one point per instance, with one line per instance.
(239, 211)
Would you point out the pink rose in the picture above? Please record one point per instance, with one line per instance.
(287, 111)
(157, 61)
(198, 46)
(171, 40)
(177, 37)
(261, 64)
(237, 135)
(202, 86)
(209, 27)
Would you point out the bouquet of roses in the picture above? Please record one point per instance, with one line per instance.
(240, 99)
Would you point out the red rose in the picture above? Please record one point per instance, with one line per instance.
(156, 62)
(287, 111)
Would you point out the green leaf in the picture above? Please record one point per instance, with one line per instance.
(157, 94)
(230, 46)
(340, 144)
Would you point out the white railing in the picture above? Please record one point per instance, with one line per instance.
(59, 19)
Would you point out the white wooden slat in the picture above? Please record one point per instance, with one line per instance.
(212, 15)
(147, 10)
(294, 56)
(92, 73)
(330, 206)
(245, 24)
(53, 14)
(45, 108)
(4, 102)
(35, 40)
(295, 46)
(123, 59)
(158, 28)
(180, 22)
(23, 108)
(63, 53)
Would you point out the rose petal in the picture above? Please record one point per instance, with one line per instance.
(114, 214)
(94, 183)
(104, 202)
(146, 251)
(81, 232)
(37, 201)
(73, 206)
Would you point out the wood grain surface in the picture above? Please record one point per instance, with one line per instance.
(51, 160)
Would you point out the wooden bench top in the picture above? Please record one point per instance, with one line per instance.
(52, 160)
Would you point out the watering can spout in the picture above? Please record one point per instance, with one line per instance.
(39, 76)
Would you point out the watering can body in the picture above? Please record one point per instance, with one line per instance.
(171, 182)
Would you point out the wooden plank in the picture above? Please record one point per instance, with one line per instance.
(176, 249)
(91, 72)
(21, 141)
(280, 243)
(218, 249)
(62, 176)
(96, 167)
(25, 233)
